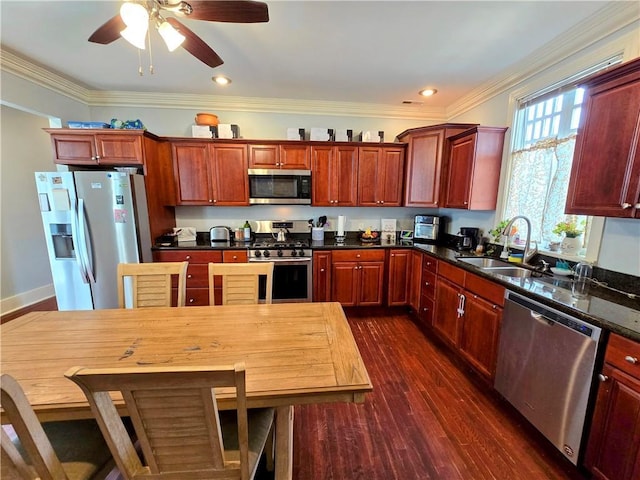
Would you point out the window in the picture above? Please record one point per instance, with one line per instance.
(545, 129)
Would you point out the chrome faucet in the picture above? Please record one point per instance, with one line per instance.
(528, 252)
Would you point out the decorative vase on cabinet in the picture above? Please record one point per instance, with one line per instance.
(571, 245)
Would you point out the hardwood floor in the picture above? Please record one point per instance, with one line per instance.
(427, 418)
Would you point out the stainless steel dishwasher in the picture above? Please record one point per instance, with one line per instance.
(545, 369)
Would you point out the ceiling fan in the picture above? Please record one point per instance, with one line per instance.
(135, 16)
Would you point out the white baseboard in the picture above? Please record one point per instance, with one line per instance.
(21, 300)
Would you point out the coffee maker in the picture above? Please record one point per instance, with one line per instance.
(468, 238)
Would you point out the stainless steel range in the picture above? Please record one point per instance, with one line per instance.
(286, 244)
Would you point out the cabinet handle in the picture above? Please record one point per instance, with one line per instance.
(235, 257)
(188, 257)
(495, 307)
(98, 157)
(425, 309)
(625, 206)
(210, 201)
(189, 276)
(322, 269)
(191, 300)
(465, 203)
(358, 255)
(426, 284)
(393, 254)
(631, 360)
(602, 378)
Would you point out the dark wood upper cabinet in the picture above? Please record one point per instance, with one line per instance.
(276, 155)
(605, 174)
(334, 175)
(425, 153)
(472, 171)
(380, 176)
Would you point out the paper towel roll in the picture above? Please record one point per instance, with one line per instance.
(340, 225)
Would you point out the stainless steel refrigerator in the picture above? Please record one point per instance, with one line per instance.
(92, 221)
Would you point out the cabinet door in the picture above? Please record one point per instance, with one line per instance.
(74, 149)
(119, 149)
(192, 177)
(605, 174)
(344, 283)
(479, 334)
(370, 282)
(321, 276)
(391, 176)
(399, 277)
(295, 157)
(613, 451)
(322, 184)
(264, 156)
(368, 173)
(424, 162)
(416, 279)
(459, 172)
(446, 319)
(230, 177)
(345, 176)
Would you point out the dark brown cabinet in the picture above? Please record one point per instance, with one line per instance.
(426, 150)
(97, 147)
(428, 282)
(468, 316)
(357, 277)
(415, 286)
(613, 449)
(335, 178)
(472, 170)
(292, 156)
(380, 176)
(197, 273)
(321, 276)
(399, 277)
(605, 174)
(210, 174)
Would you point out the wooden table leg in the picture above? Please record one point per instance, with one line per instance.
(284, 443)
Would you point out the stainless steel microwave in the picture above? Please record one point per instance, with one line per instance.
(279, 187)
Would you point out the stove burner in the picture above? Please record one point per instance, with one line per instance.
(272, 250)
(274, 244)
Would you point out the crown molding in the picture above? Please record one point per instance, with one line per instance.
(262, 105)
(37, 74)
(606, 21)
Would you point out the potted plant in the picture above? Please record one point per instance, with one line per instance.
(496, 233)
(572, 230)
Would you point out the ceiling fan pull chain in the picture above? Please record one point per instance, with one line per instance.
(140, 72)
(150, 55)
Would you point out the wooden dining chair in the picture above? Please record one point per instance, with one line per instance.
(175, 416)
(66, 450)
(240, 282)
(151, 283)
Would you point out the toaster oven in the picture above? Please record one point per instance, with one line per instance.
(426, 228)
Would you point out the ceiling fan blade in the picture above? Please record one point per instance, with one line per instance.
(234, 11)
(109, 31)
(195, 45)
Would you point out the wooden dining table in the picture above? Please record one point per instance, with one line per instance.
(295, 353)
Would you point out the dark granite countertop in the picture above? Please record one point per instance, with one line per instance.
(602, 307)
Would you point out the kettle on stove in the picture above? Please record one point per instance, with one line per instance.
(281, 235)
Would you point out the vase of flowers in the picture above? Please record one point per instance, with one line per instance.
(572, 231)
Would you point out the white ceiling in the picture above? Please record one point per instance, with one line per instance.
(380, 52)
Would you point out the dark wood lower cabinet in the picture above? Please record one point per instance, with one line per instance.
(613, 449)
(399, 277)
(321, 276)
(447, 317)
(357, 277)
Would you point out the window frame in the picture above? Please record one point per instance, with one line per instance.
(535, 91)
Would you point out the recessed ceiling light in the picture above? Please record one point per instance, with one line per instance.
(221, 80)
(427, 92)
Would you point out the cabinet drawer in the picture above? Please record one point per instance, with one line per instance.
(484, 288)
(621, 352)
(191, 256)
(429, 263)
(358, 255)
(428, 284)
(448, 271)
(197, 297)
(427, 309)
(234, 256)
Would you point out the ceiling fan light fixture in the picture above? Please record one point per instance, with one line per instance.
(221, 80)
(172, 38)
(135, 37)
(428, 92)
(134, 15)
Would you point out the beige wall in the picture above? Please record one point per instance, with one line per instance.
(26, 276)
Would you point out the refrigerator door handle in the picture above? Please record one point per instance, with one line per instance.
(84, 247)
(76, 240)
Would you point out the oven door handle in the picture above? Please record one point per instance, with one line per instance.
(279, 260)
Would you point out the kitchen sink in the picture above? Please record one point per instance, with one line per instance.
(495, 266)
(508, 271)
(485, 262)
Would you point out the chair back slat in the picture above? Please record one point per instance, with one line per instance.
(241, 281)
(151, 283)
